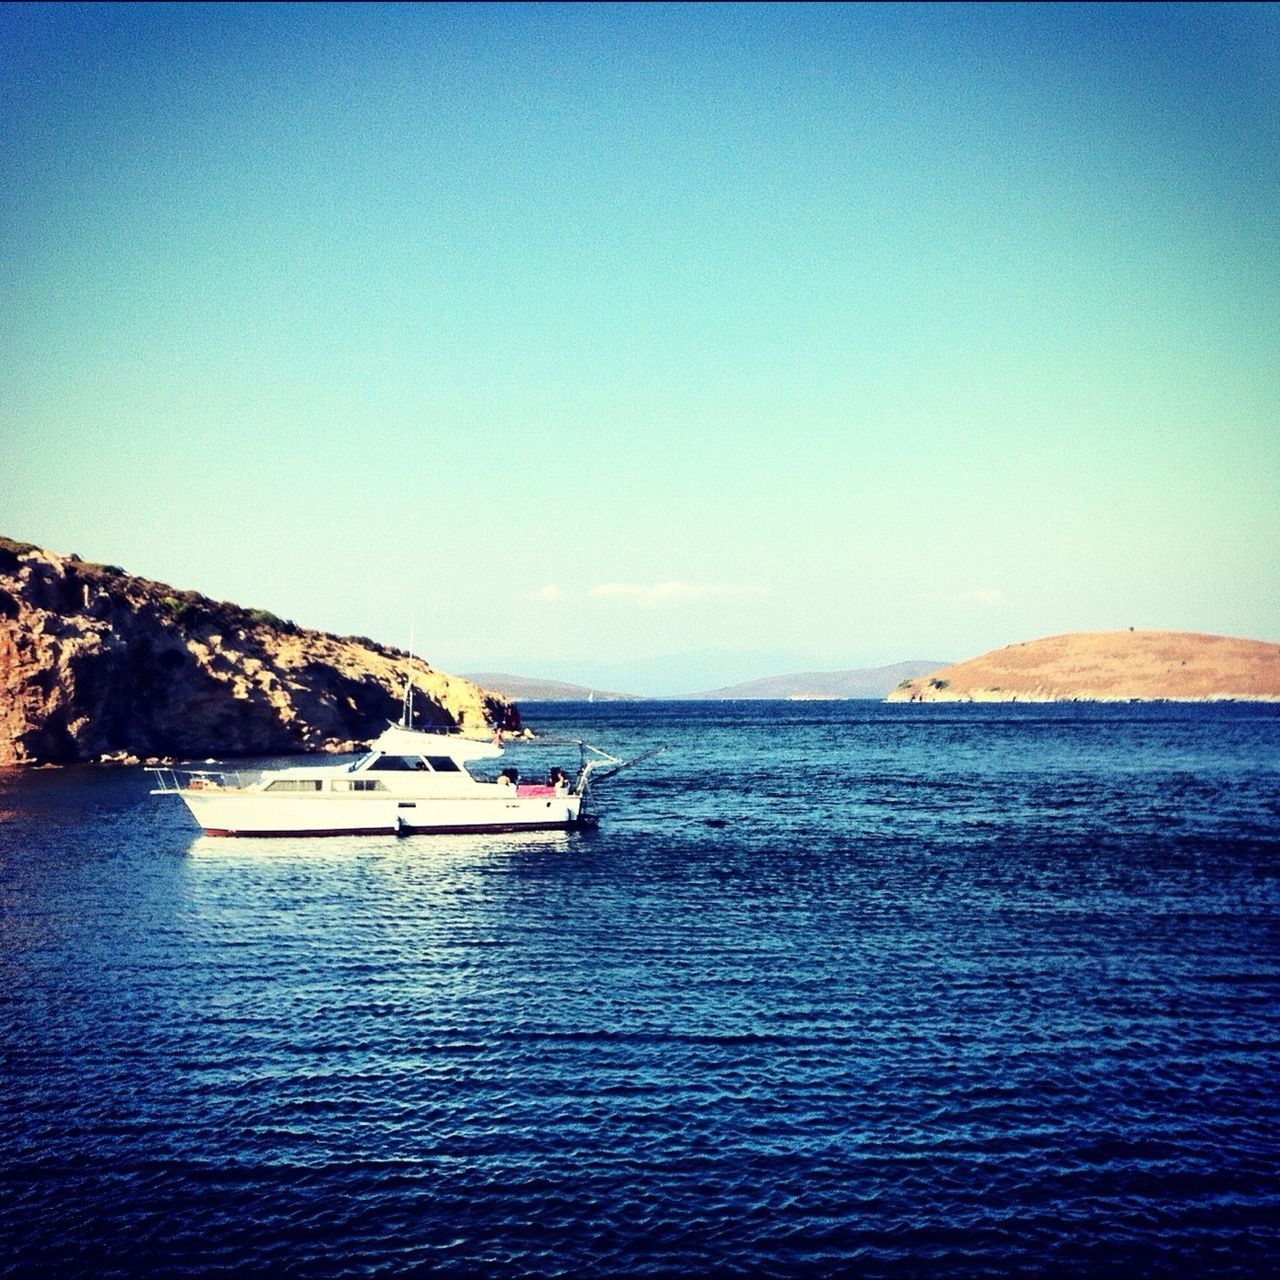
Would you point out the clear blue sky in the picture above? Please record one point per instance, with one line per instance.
(655, 346)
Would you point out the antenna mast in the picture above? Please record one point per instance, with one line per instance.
(406, 708)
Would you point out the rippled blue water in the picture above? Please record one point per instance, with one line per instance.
(836, 989)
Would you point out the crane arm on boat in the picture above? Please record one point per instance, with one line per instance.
(607, 766)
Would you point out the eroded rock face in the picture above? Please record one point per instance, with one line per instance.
(96, 664)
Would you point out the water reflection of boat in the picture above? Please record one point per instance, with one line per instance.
(409, 781)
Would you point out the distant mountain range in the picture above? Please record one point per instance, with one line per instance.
(867, 682)
(1107, 666)
(534, 689)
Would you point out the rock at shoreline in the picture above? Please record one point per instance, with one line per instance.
(1108, 666)
(98, 665)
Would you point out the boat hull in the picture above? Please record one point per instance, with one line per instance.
(223, 813)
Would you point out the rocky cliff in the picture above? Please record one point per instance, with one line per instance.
(1108, 666)
(97, 664)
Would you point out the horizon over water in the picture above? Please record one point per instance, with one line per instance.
(836, 989)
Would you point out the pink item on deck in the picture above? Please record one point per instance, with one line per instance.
(531, 789)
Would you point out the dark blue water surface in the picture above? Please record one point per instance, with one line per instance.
(836, 989)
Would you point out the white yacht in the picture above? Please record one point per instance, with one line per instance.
(409, 781)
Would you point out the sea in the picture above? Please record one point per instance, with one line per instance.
(836, 989)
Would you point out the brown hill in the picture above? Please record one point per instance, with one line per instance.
(96, 664)
(1108, 666)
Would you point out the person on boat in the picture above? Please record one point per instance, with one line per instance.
(507, 720)
(556, 778)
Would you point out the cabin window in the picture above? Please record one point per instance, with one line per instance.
(395, 764)
(295, 784)
(443, 764)
(359, 784)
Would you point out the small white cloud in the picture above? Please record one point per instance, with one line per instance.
(550, 594)
(986, 597)
(660, 593)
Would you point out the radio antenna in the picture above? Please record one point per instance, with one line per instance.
(406, 709)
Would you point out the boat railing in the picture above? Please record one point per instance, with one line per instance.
(173, 781)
